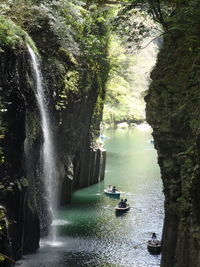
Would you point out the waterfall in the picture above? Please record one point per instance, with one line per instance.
(47, 152)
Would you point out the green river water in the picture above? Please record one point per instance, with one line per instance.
(89, 231)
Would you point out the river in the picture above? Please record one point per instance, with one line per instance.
(90, 232)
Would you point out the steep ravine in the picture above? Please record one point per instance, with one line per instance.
(74, 67)
(74, 83)
(173, 112)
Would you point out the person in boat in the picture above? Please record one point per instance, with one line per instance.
(110, 188)
(121, 204)
(114, 189)
(154, 237)
(125, 202)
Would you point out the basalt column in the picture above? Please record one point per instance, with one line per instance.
(173, 110)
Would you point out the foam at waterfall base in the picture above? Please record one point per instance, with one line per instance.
(51, 243)
(59, 222)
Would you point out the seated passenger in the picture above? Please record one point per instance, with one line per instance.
(154, 237)
(121, 203)
(114, 189)
(110, 188)
(125, 200)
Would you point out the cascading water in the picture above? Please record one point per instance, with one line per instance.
(49, 171)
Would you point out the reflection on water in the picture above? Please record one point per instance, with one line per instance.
(90, 233)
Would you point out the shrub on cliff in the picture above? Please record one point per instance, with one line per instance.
(12, 35)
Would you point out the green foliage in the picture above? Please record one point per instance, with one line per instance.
(72, 35)
(185, 22)
(124, 102)
(78, 32)
(94, 41)
(2, 258)
(72, 81)
(71, 85)
(4, 7)
(97, 118)
(74, 38)
(11, 35)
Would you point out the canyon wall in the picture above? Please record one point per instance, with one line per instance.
(173, 111)
(74, 66)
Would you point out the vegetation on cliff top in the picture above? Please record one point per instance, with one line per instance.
(72, 39)
(124, 101)
(12, 35)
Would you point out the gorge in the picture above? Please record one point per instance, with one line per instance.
(71, 39)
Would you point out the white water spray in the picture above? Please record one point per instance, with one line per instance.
(48, 154)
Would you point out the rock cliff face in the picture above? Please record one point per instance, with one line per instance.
(173, 112)
(18, 192)
(74, 91)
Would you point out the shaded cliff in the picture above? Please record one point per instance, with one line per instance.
(173, 112)
(18, 192)
(73, 52)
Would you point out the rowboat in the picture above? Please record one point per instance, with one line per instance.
(118, 209)
(112, 193)
(154, 246)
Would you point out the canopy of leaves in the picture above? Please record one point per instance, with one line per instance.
(127, 83)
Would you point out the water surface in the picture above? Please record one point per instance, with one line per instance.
(90, 232)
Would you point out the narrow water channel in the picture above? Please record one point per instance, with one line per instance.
(90, 233)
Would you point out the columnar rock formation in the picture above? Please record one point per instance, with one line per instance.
(173, 112)
(73, 54)
(74, 83)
